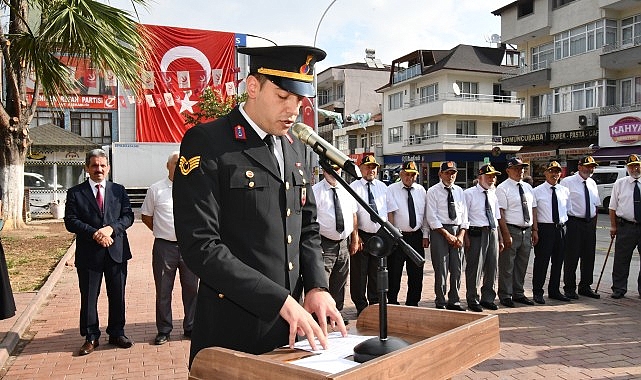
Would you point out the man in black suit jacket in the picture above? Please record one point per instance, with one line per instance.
(245, 216)
(99, 212)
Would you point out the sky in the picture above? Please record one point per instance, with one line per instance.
(393, 28)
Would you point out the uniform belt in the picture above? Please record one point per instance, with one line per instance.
(621, 220)
(519, 227)
(450, 225)
(477, 228)
(556, 225)
(410, 233)
(579, 219)
(167, 241)
(331, 240)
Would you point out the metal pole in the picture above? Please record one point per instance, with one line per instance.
(596, 290)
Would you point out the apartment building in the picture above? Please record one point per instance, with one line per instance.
(447, 105)
(580, 77)
(349, 90)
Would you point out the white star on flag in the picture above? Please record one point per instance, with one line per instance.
(187, 104)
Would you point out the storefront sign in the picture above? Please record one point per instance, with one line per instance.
(106, 102)
(521, 139)
(574, 135)
(535, 155)
(412, 157)
(626, 130)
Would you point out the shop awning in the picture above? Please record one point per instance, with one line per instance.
(575, 149)
(531, 152)
(619, 152)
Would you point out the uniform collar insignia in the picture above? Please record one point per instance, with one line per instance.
(239, 132)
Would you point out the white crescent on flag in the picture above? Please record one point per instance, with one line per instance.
(186, 52)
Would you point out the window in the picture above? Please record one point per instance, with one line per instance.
(49, 117)
(560, 3)
(429, 93)
(542, 56)
(429, 129)
(584, 38)
(376, 138)
(626, 92)
(469, 90)
(323, 96)
(525, 7)
(95, 126)
(395, 101)
(339, 91)
(364, 140)
(578, 96)
(540, 105)
(631, 30)
(465, 127)
(395, 135)
(610, 93)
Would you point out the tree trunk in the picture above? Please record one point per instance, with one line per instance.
(12, 176)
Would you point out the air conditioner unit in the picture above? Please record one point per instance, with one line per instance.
(583, 120)
(349, 118)
(593, 120)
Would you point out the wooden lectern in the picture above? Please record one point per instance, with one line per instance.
(443, 343)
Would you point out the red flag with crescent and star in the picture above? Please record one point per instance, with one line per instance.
(182, 64)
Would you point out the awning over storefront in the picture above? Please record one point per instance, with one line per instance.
(533, 152)
(619, 152)
(578, 148)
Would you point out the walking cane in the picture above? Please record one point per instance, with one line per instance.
(596, 290)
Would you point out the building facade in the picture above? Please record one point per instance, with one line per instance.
(442, 105)
(579, 76)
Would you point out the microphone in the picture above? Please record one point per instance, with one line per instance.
(324, 149)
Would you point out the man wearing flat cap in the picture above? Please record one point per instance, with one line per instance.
(552, 207)
(581, 230)
(245, 215)
(625, 224)
(446, 214)
(363, 267)
(482, 240)
(406, 208)
(516, 201)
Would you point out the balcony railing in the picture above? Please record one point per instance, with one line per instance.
(526, 121)
(463, 97)
(542, 65)
(454, 139)
(408, 73)
(324, 99)
(609, 110)
(636, 41)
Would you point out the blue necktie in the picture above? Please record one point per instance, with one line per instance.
(488, 212)
(371, 201)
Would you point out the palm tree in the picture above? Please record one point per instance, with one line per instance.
(38, 32)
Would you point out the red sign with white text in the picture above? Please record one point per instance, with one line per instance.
(101, 102)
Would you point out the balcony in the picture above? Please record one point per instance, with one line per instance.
(612, 110)
(451, 142)
(526, 121)
(326, 100)
(523, 78)
(472, 105)
(406, 74)
(622, 56)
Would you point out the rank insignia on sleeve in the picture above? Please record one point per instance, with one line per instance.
(239, 132)
(186, 166)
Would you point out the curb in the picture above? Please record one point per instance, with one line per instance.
(12, 338)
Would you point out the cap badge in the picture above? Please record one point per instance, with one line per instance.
(186, 166)
(305, 69)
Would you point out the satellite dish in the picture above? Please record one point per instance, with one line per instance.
(495, 38)
(456, 89)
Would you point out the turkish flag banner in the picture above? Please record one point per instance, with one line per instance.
(182, 65)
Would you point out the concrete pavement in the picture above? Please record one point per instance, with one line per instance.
(584, 339)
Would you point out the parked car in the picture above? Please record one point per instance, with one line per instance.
(38, 181)
(605, 176)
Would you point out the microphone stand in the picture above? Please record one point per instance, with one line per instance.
(379, 246)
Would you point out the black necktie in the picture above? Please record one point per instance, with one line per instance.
(488, 212)
(586, 195)
(269, 140)
(637, 202)
(338, 213)
(524, 205)
(370, 200)
(410, 207)
(555, 206)
(451, 208)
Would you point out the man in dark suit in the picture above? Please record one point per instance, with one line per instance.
(99, 212)
(245, 215)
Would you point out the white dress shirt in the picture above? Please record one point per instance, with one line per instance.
(574, 183)
(510, 201)
(397, 205)
(622, 198)
(475, 202)
(159, 204)
(543, 195)
(325, 207)
(379, 190)
(436, 207)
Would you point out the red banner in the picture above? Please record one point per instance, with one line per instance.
(100, 102)
(183, 63)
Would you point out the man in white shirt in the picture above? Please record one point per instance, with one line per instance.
(336, 213)
(158, 214)
(363, 266)
(446, 214)
(552, 206)
(406, 210)
(625, 224)
(482, 240)
(581, 229)
(516, 201)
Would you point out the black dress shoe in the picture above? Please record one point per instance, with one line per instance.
(121, 341)
(617, 295)
(589, 293)
(440, 307)
(538, 298)
(88, 347)
(573, 295)
(507, 302)
(524, 300)
(559, 297)
(489, 305)
(454, 307)
(475, 307)
(161, 339)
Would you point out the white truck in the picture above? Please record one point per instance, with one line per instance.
(136, 165)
